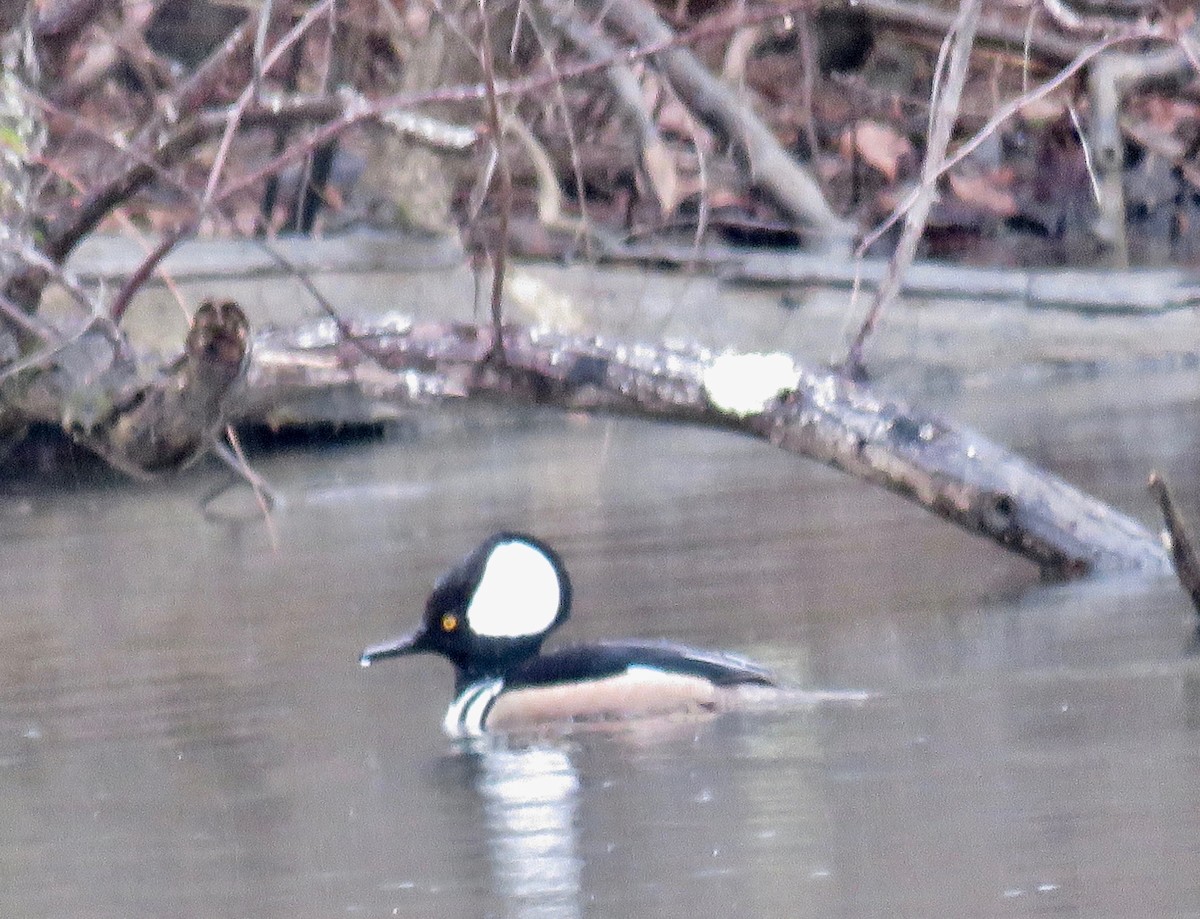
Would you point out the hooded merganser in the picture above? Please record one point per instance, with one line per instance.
(489, 616)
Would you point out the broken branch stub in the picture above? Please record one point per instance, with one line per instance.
(948, 470)
(93, 389)
(1183, 554)
(168, 423)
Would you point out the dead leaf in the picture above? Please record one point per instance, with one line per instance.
(664, 176)
(721, 197)
(1167, 114)
(984, 192)
(673, 118)
(881, 147)
(1045, 109)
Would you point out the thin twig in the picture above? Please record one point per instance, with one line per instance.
(769, 166)
(340, 114)
(1093, 179)
(125, 296)
(307, 198)
(64, 21)
(130, 228)
(250, 92)
(572, 143)
(258, 54)
(32, 256)
(808, 84)
(28, 323)
(456, 28)
(357, 111)
(1190, 46)
(114, 142)
(703, 205)
(499, 251)
(264, 495)
(1183, 555)
(120, 303)
(1069, 20)
(1026, 59)
(942, 119)
(345, 329)
(191, 94)
(39, 357)
(1002, 115)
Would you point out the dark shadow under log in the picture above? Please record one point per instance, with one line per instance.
(951, 471)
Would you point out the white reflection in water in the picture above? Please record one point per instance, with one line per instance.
(530, 797)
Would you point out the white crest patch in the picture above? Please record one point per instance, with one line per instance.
(518, 594)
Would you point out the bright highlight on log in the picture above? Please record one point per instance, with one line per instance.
(743, 384)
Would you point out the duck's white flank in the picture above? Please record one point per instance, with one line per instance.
(637, 692)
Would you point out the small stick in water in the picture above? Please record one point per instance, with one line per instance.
(1187, 569)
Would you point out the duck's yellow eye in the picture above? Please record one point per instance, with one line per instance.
(449, 622)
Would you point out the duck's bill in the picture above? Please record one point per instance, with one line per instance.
(411, 643)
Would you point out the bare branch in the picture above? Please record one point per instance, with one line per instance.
(335, 116)
(1112, 77)
(1005, 112)
(499, 249)
(792, 188)
(993, 30)
(944, 116)
(262, 66)
(65, 20)
(596, 45)
(133, 283)
(951, 471)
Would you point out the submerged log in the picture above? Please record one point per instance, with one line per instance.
(368, 370)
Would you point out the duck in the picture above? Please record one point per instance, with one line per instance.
(490, 614)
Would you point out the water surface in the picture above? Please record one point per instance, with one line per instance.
(184, 730)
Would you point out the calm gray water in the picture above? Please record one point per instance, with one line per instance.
(184, 730)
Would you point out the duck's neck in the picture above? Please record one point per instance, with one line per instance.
(495, 666)
(479, 673)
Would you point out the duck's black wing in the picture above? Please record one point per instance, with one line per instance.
(596, 661)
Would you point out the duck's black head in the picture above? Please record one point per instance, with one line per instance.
(492, 610)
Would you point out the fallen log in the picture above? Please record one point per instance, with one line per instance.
(371, 371)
